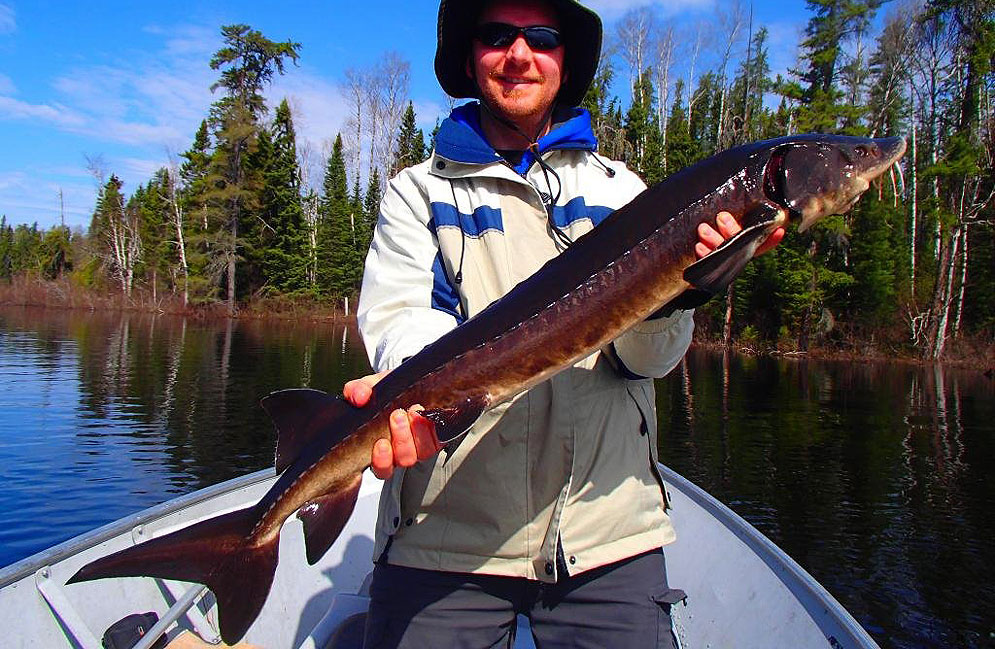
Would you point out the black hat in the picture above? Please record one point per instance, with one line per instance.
(581, 29)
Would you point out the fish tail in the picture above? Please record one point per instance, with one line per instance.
(219, 553)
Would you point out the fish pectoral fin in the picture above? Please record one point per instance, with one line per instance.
(325, 517)
(452, 421)
(300, 416)
(716, 270)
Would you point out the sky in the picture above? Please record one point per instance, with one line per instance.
(123, 86)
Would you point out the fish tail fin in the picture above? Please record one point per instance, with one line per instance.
(218, 552)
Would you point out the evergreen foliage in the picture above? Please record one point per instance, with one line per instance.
(911, 265)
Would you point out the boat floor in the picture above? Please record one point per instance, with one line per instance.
(188, 640)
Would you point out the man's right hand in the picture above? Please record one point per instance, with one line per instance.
(412, 437)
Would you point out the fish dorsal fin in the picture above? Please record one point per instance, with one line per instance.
(325, 517)
(716, 270)
(454, 420)
(300, 415)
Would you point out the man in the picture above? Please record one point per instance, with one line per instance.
(551, 506)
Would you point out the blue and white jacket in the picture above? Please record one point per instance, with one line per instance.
(570, 463)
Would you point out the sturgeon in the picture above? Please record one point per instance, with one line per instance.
(638, 261)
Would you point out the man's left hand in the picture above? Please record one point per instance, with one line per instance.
(709, 238)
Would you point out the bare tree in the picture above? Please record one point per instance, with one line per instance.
(633, 32)
(307, 165)
(355, 86)
(389, 96)
(664, 62)
(117, 228)
(176, 216)
(731, 23)
(378, 96)
(694, 50)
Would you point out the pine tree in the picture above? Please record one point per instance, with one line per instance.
(194, 173)
(370, 213)
(834, 23)
(410, 143)
(747, 94)
(6, 249)
(248, 61)
(337, 258)
(681, 150)
(282, 239)
(642, 131)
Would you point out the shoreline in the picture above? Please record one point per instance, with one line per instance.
(64, 295)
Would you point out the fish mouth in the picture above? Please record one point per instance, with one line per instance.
(889, 150)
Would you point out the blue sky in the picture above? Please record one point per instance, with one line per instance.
(128, 83)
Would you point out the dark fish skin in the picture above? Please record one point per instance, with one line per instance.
(639, 260)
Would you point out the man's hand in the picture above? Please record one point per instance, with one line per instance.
(709, 238)
(412, 437)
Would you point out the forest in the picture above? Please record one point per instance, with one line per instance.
(235, 222)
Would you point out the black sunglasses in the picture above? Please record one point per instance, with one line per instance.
(503, 35)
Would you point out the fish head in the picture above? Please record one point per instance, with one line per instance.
(815, 176)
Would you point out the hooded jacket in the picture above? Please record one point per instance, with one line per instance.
(563, 477)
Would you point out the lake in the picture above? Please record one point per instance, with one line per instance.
(876, 477)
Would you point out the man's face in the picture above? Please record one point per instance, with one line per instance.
(518, 83)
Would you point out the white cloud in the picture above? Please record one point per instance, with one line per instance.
(783, 45)
(8, 23)
(155, 101)
(187, 40)
(318, 107)
(56, 114)
(24, 198)
(7, 86)
(426, 112)
(11, 179)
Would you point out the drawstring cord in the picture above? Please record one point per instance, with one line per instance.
(601, 163)
(462, 236)
(549, 200)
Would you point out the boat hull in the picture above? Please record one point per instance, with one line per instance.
(739, 584)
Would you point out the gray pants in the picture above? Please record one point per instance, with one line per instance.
(622, 605)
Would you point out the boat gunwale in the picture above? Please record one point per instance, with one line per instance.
(31, 564)
(805, 588)
(812, 596)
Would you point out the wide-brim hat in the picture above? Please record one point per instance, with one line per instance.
(580, 27)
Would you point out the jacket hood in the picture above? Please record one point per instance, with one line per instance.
(461, 137)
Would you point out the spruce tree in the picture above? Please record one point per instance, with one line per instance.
(746, 97)
(410, 148)
(282, 242)
(681, 150)
(370, 213)
(337, 258)
(247, 61)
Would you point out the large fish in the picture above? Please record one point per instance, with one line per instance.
(639, 260)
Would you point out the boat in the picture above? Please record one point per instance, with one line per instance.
(742, 590)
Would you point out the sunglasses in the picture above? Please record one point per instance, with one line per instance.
(502, 35)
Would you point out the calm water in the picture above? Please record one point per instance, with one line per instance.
(878, 478)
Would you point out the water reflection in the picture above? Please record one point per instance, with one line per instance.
(875, 477)
(102, 415)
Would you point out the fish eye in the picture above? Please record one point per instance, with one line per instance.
(865, 150)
